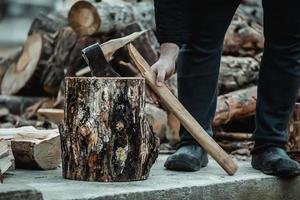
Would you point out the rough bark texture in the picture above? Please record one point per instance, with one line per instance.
(105, 136)
(232, 136)
(230, 146)
(234, 105)
(294, 134)
(243, 40)
(48, 23)
(106, 17)
(237, 73)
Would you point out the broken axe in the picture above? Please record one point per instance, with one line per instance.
(96, 53)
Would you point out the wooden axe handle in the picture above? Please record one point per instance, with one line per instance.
(187, 120)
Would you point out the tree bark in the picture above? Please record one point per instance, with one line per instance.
(234, 105)
(237, 73)
(232, 136)
(34, 149)
(230, 146)
(106, 17)
(294, 130)
(105, 136)
(242, 39)
(48, 23)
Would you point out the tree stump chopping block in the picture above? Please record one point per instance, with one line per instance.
(105, 136)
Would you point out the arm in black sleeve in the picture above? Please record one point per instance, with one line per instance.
(172, 21)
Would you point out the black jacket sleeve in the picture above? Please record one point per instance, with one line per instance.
(172, 21)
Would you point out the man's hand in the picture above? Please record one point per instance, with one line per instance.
(165, 66)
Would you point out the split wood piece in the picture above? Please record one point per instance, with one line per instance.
(242, 40)
(105, 136)
(230, 146)
(48, 23)
(5, 160)
(23, 75)
(51, 114)
(235, 105)
(6, 62)
(187, 120)
(34, 149)
(237, 73)
(31, 111)
(173, 136)
(294, 130)
(18, 104)
(158, 120)
(232, 136)
(106, 17)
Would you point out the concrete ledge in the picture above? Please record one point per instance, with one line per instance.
(19, 192)
(209, 183)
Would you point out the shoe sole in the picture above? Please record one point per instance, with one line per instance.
(180, 165)
(282, 173)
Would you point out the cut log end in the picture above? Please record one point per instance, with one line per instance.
(84, 18)
(20, 71)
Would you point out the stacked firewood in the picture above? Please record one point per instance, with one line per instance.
(32, 79)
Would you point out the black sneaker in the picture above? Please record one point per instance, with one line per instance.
(275, 161)
(187, 158)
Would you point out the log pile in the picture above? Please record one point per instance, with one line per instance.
(32, 79)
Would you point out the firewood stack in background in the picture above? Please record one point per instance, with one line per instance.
(32, 78)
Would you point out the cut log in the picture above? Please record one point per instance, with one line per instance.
(18, 104)
(5, 160)
(22, 76)
(34, 149)
(237, 73)
(50, 114)
(230, 146)
(106, 17)
(234, 105)
(105, 136)
(158, 119)
(243, 40)
(48, 23)
(174, 124)
(6, 62)
(53, 72)
(293, 146)
(232, 136)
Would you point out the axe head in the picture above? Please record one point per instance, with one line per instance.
(95, 53)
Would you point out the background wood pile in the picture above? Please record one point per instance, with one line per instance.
(33, 77)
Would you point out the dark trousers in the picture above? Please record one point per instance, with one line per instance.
(199, 62)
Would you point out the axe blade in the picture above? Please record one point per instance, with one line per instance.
(111, 46)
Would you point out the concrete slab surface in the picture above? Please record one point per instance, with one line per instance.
(209, 183)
